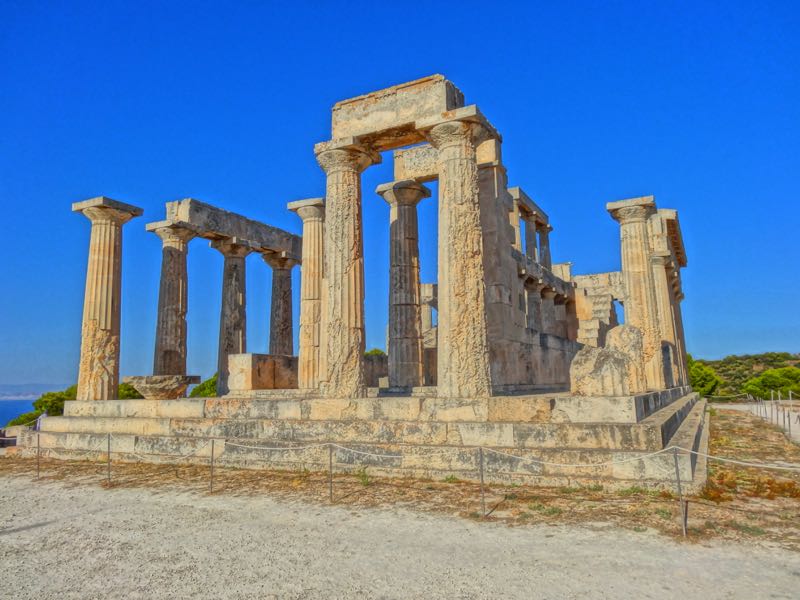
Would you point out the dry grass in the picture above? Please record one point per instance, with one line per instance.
(737, 502)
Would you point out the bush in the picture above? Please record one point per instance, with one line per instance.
(128, 392)
(207, 389)
(375, 352)
(703, 379)
(785, 379)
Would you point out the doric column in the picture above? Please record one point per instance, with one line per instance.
(531, 250)
(641, 309)
(463, 363)
(678, 320)
(169, 357)
(573, 323)
(549, 324)
(343, 310)
(560, 309)
(312, 212)
(405, 318)
(544, 245)
(233, 313)
(663, 290)
(281, 334)
(98, 373)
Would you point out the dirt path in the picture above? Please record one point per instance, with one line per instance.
(82, 541)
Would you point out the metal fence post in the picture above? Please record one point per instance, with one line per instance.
(680, 491)
(330, 473)
(483, 495)
(211, 480)
(109, 459)
(38, 456)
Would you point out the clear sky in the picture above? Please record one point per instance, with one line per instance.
(694, 102)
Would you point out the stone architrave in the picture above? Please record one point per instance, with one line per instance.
(463, 358)
(312, 212)
(281, 334)
(98, 373)
(233, 313)
(342, 356)
(405, 318)
(641, 308)
(169, 357)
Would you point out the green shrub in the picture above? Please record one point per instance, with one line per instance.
(128, 392)
(375, 352)
(703, 379)
(785, 379)
(207, 389)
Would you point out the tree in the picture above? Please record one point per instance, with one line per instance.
(375, 352)
(53, 403)
(703, 379)
(207, 389)
(781, 380)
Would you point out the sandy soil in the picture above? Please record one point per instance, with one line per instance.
(140, 543)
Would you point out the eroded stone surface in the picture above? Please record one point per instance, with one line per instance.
(162, 387)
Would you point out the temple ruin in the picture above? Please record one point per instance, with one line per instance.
(525, 357)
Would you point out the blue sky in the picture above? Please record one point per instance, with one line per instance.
(694, 102)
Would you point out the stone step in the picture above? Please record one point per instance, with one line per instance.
(501, 465)
(534, 408)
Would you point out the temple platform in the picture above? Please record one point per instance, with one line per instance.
(419, 436)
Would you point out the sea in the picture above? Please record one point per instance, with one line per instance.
(10, 408)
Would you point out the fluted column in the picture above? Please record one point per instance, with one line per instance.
(663, 291)
(544, 245)
(169, 357)
(343, 299)
(405, 318)
(281, 334)
(312, 212)
(641, 308)
(534, 309)
(233, 313)
(98, 373)
(463, 357)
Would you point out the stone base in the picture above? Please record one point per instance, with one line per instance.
(412, 436)
(162, 387)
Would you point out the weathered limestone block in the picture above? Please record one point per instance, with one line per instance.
(312, 212)
(98, 373)
(261, 372)
(343, 299)
(162, 387)
(615, 370)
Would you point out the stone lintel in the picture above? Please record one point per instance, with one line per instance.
(670, 217)
(419, 163)
(214, 223)
(529, 207)
(103, 202)
(386, 117)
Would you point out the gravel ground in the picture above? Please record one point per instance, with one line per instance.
(82, 541)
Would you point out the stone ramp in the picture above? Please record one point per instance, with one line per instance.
(515, 452)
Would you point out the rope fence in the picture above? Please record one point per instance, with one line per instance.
(481, 451)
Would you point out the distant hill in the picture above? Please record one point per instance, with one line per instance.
(28, 391)
(735, 370)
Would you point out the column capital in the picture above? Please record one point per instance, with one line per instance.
(278, 261)
(633, 210)
(548, 293)
(171, 232)
(310, 209)
(407, 192)
(345, 155)
(232, 247)
(102, 209)
(454, 126)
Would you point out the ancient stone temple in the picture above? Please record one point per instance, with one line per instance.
(524, 358)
